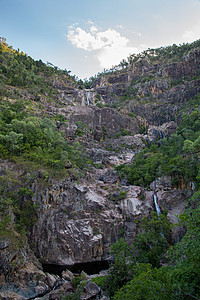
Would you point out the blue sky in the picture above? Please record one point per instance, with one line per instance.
(86, 36)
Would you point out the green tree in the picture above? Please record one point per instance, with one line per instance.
(120, 270)
(186, 253)
(147, 283)
(152, 243)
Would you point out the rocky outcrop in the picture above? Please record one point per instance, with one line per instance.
(108, 119)
(21, 275)
(79, 223)
(173, 202)
(156, 91)
(159, 132)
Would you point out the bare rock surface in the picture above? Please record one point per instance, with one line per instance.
(78, 223)
(21, 275)
(174, 202)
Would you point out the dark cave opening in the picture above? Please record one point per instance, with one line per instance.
(88, 267)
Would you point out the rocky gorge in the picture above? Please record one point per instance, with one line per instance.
(79, 217)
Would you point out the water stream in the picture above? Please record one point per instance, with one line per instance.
(158, 210)
(88, 97)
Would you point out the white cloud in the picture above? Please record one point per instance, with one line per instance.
(108, 46)
(93, 29)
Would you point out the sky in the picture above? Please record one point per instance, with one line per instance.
(88, 36)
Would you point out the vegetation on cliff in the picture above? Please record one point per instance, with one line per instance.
(135, 275)
(176, 156)
(29, 138)
(37, 149)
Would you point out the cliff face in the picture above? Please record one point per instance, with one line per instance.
(79, 219)
(151, 89)
(155, 91)
(78, 223)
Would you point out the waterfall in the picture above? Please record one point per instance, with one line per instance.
(156, 204)
(158, 210)
(88, 97)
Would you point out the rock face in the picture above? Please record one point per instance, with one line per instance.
(159, 132)
(95, 119)
(21, 275)
(156, 91)
(174, 202)
(76, 225)
(79, 223)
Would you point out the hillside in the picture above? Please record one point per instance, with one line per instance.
(85, 166)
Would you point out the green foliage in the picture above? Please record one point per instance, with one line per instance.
(25, 209)
(165, 54)
(144, 169)
(120, 271)
(145, 253)
(169, 157)
(20, 70)
(117, 196)
(147, 283)
(181, 280)
(152, 243)
(101, 281)
(36, 139)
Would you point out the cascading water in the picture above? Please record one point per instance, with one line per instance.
(88, 97)
(156, 204)
(158, 210)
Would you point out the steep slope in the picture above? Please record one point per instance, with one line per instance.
(60, 144)
(155, 85)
